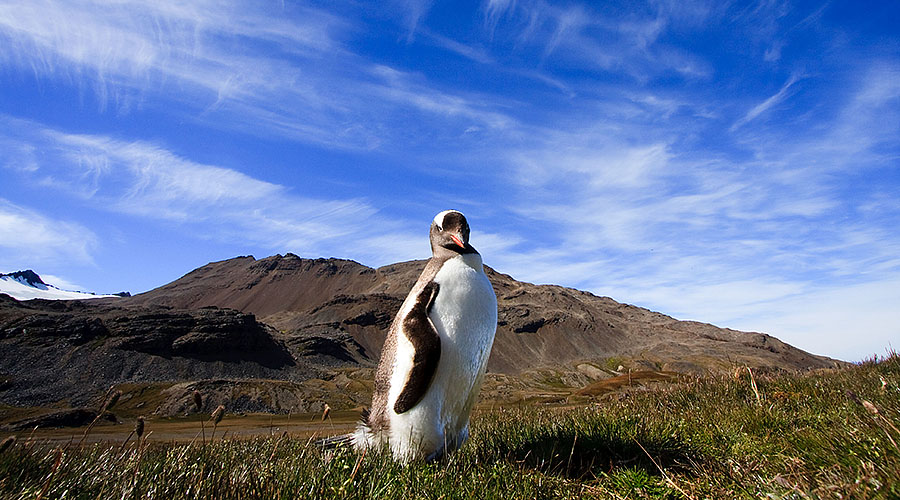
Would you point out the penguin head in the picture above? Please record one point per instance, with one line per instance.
(450, 231)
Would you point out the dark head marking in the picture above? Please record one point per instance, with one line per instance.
(450, 231)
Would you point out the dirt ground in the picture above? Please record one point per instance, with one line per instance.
(184, 430)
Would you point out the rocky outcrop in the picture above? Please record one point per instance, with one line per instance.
(71, 417)
(207, 334)
(54, 350)
(28, 276)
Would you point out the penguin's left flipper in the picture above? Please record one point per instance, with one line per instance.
(418, 328)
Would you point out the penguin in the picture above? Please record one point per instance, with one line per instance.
(435, 353)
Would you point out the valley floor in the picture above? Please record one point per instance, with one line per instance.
(186, 430)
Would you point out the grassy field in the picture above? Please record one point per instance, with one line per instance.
(821, 435)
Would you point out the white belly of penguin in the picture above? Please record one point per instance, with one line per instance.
(465, 316)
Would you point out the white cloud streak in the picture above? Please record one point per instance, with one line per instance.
(766, 242)
(61, 283)
(494, 10)
(145, 180)
(477, 54)
(599, 39)
(764, 106)
(415, 11)
(231, 64)
(856, 321)
(31, 239)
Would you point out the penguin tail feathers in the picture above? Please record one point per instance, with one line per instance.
(333, 442)
(361, 438)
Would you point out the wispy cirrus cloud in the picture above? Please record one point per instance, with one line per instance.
(764, 106)
(752, 241)
(136, 47)
(62, 283)
(414, 11)
(494, 10)
(870, 122)
(477, 54)
(145, 180)
(606, 40)
(233, 65)
(30, 239)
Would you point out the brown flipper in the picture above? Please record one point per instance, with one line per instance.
(418, 328)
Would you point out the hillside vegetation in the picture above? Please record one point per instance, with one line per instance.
(827, 434)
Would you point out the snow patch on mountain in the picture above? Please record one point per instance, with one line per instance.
(27, 285)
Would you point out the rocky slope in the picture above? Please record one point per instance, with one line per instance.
(52, 350)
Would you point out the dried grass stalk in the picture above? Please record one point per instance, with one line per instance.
(138, 429)
(216, 417)
(7, 443)
(753, 386)
(139, 426)
(218, 414)
(111, 400)
(198, 404)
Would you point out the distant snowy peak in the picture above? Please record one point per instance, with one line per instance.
(27, 285)
(27, 277)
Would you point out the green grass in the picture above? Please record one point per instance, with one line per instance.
(805, 437)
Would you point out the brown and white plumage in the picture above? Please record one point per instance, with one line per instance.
(435, 352)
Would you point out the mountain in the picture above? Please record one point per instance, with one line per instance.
(539, 325)
(26, 285)
(285, 333)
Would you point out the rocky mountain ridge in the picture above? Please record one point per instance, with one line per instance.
(27, 276)
(538, 326)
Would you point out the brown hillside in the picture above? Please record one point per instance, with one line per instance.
(539, 325)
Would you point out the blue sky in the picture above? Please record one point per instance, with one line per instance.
(728, 162)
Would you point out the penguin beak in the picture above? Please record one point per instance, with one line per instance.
(458, 241)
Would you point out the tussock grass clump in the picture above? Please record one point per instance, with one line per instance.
(819, 435)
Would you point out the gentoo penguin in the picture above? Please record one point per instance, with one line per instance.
(435, 352)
